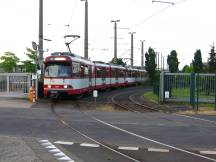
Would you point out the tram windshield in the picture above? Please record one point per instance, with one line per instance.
(58, 70)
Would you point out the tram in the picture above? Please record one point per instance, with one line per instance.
(70, 74)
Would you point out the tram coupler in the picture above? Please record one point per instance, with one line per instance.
(54, 95)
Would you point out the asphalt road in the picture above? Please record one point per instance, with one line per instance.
(38, 135)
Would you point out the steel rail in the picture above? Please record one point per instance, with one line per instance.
(121, 105)
(143, 105)
(60, 118)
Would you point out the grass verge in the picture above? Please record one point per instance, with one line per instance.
(151, 96)
(203, 108)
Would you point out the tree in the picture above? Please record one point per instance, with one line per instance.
(187, 69)
(172, 62)
(29, 64)
(212, 60)
(9, 62)
(150, 63)
(197, 62)
(118, 61)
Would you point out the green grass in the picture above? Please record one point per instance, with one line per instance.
(185, 92)
(181, 92)
(151, 96)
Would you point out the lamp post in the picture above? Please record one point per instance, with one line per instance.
(132, 33)
(142, 53)
(86, 30)
(40, 44)
(115, 37)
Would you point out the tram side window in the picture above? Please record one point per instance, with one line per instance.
(113, 72)
(107, 72)
(116, 74)
(129, 73)
(103, 72)
(126, 73)
(122, 73)
(76, 69)
(90, 71)
(134, 74)
(83, 71)
(98, 72)
(86, 72)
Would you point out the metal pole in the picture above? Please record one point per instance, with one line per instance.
(215, 91)
(162, 87)
(115, 40)
(192, 89)
(86, 31)
(36, 78)
(197, 87)
(8, 83)
(163, 63)
(115, 37)
(132, 50)
(132, 47)
(158, 56)
(142, 53)
(40, 45)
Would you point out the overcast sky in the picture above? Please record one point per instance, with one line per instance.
(186, 26)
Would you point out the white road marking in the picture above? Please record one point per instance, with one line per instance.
(101, 144)
(208, 152)
(128, 148)
(89, 145)
(157, 150)
(46, 144)
(59, 154)
(196, 118)
(64, 158)
(154, 141)
(43, 141)
(64, 143)
(51, 147)
(54, 150)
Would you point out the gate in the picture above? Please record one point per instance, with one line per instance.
(188, 87)
(14, 84)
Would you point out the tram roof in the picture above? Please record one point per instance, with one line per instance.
(73, 56)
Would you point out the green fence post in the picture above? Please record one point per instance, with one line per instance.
(197, 86)
(161, 87)
(215, 90)
(192, 89)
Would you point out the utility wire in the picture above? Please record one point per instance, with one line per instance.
(126, 52)
(157, 13)
(73, 11)
(20, 10)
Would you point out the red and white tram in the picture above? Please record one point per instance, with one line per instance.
(70, 74)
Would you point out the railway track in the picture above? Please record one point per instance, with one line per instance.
(73, 128)
(121, 97)
(128, 102)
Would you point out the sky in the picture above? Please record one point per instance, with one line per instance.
(186, 26)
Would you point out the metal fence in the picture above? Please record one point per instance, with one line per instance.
(14, 84)
(188, 87)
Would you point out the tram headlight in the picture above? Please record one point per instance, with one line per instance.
(49, 86)
(65, 86)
